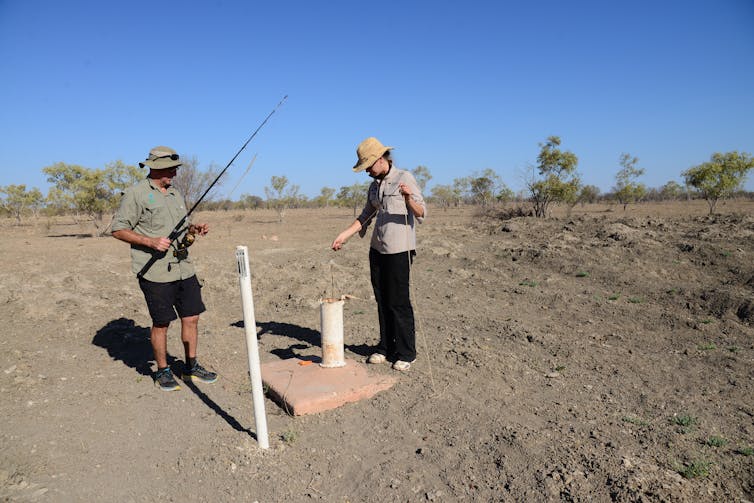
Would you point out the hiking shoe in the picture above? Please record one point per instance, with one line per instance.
(200, 374)
(402, 366)
(377, 358)
(165, 381)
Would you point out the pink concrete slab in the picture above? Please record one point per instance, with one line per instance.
(303, 387)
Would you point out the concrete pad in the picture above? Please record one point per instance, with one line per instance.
(302, 386)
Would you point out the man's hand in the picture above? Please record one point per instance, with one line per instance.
(133, 238)
(159, 244)
(200, 229)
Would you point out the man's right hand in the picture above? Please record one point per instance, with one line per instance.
(133, 238)
(159, 244)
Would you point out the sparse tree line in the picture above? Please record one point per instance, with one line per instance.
(94, 194)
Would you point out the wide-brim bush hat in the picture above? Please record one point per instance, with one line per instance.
(368, 152)
(161, 158)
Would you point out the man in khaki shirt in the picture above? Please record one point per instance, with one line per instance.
(148, 212)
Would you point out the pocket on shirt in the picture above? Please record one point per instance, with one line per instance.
(155, 218)
(395, 204)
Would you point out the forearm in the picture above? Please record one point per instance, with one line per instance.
(414, 207)
(351, 230)
(347, 233)
(132, 238)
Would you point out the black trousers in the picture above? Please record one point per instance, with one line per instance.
(390, 282)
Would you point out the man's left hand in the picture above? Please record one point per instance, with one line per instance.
(200, 229)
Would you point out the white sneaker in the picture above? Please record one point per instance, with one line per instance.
(377, 358)
(402, 366)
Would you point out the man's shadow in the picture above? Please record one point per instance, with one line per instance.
(128, 343)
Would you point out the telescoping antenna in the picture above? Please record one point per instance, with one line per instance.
(178, 228)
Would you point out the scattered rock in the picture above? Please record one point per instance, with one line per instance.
(745, 312)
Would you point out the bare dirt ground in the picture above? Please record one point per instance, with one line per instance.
(605, 356)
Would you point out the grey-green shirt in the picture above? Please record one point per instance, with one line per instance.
(394, 223)
(146, 210)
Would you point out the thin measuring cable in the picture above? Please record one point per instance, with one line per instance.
(419, 329)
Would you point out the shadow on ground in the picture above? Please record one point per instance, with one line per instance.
(304, 334)
(311, 337)
(81, 235)
(129, 343)
(232, 421)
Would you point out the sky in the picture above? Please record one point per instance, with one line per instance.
(456, 86)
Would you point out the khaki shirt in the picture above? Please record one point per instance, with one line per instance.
(146, 210)
(394, 224)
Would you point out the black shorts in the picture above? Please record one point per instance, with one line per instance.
(164, 299)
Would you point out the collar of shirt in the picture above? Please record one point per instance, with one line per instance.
(168, 190)
(389, 184)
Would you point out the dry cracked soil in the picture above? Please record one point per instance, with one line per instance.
(605, 355)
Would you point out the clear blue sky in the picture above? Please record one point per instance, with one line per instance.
(457, 86)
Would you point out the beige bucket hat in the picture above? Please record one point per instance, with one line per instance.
(161, 158)
(368, 152)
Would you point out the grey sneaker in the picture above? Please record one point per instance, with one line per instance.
(200, 374)
(165, 381)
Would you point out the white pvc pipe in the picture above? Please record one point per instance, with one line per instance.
(250, 327)
(331, 321)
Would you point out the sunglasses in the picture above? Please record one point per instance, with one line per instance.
(163, 155)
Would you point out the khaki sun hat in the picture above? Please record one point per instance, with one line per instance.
(368, 152)
(161, 158)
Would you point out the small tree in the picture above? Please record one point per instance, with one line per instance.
(281, 196)
(484, 187)
(589, 194)
(249, 201)
(422, 176)
(561, 183)
(719, 177)
(119, 175)
(191, 182)
(324, 198)
(627, 189)
(445, 195)
(462, 187)
(353, 196)
(671, 191)
(91, 192)
(16, 200)
(65, 179)
(504, 194)
(80, 190)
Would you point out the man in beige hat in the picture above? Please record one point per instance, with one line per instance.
(395, 200)
(148, 212)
